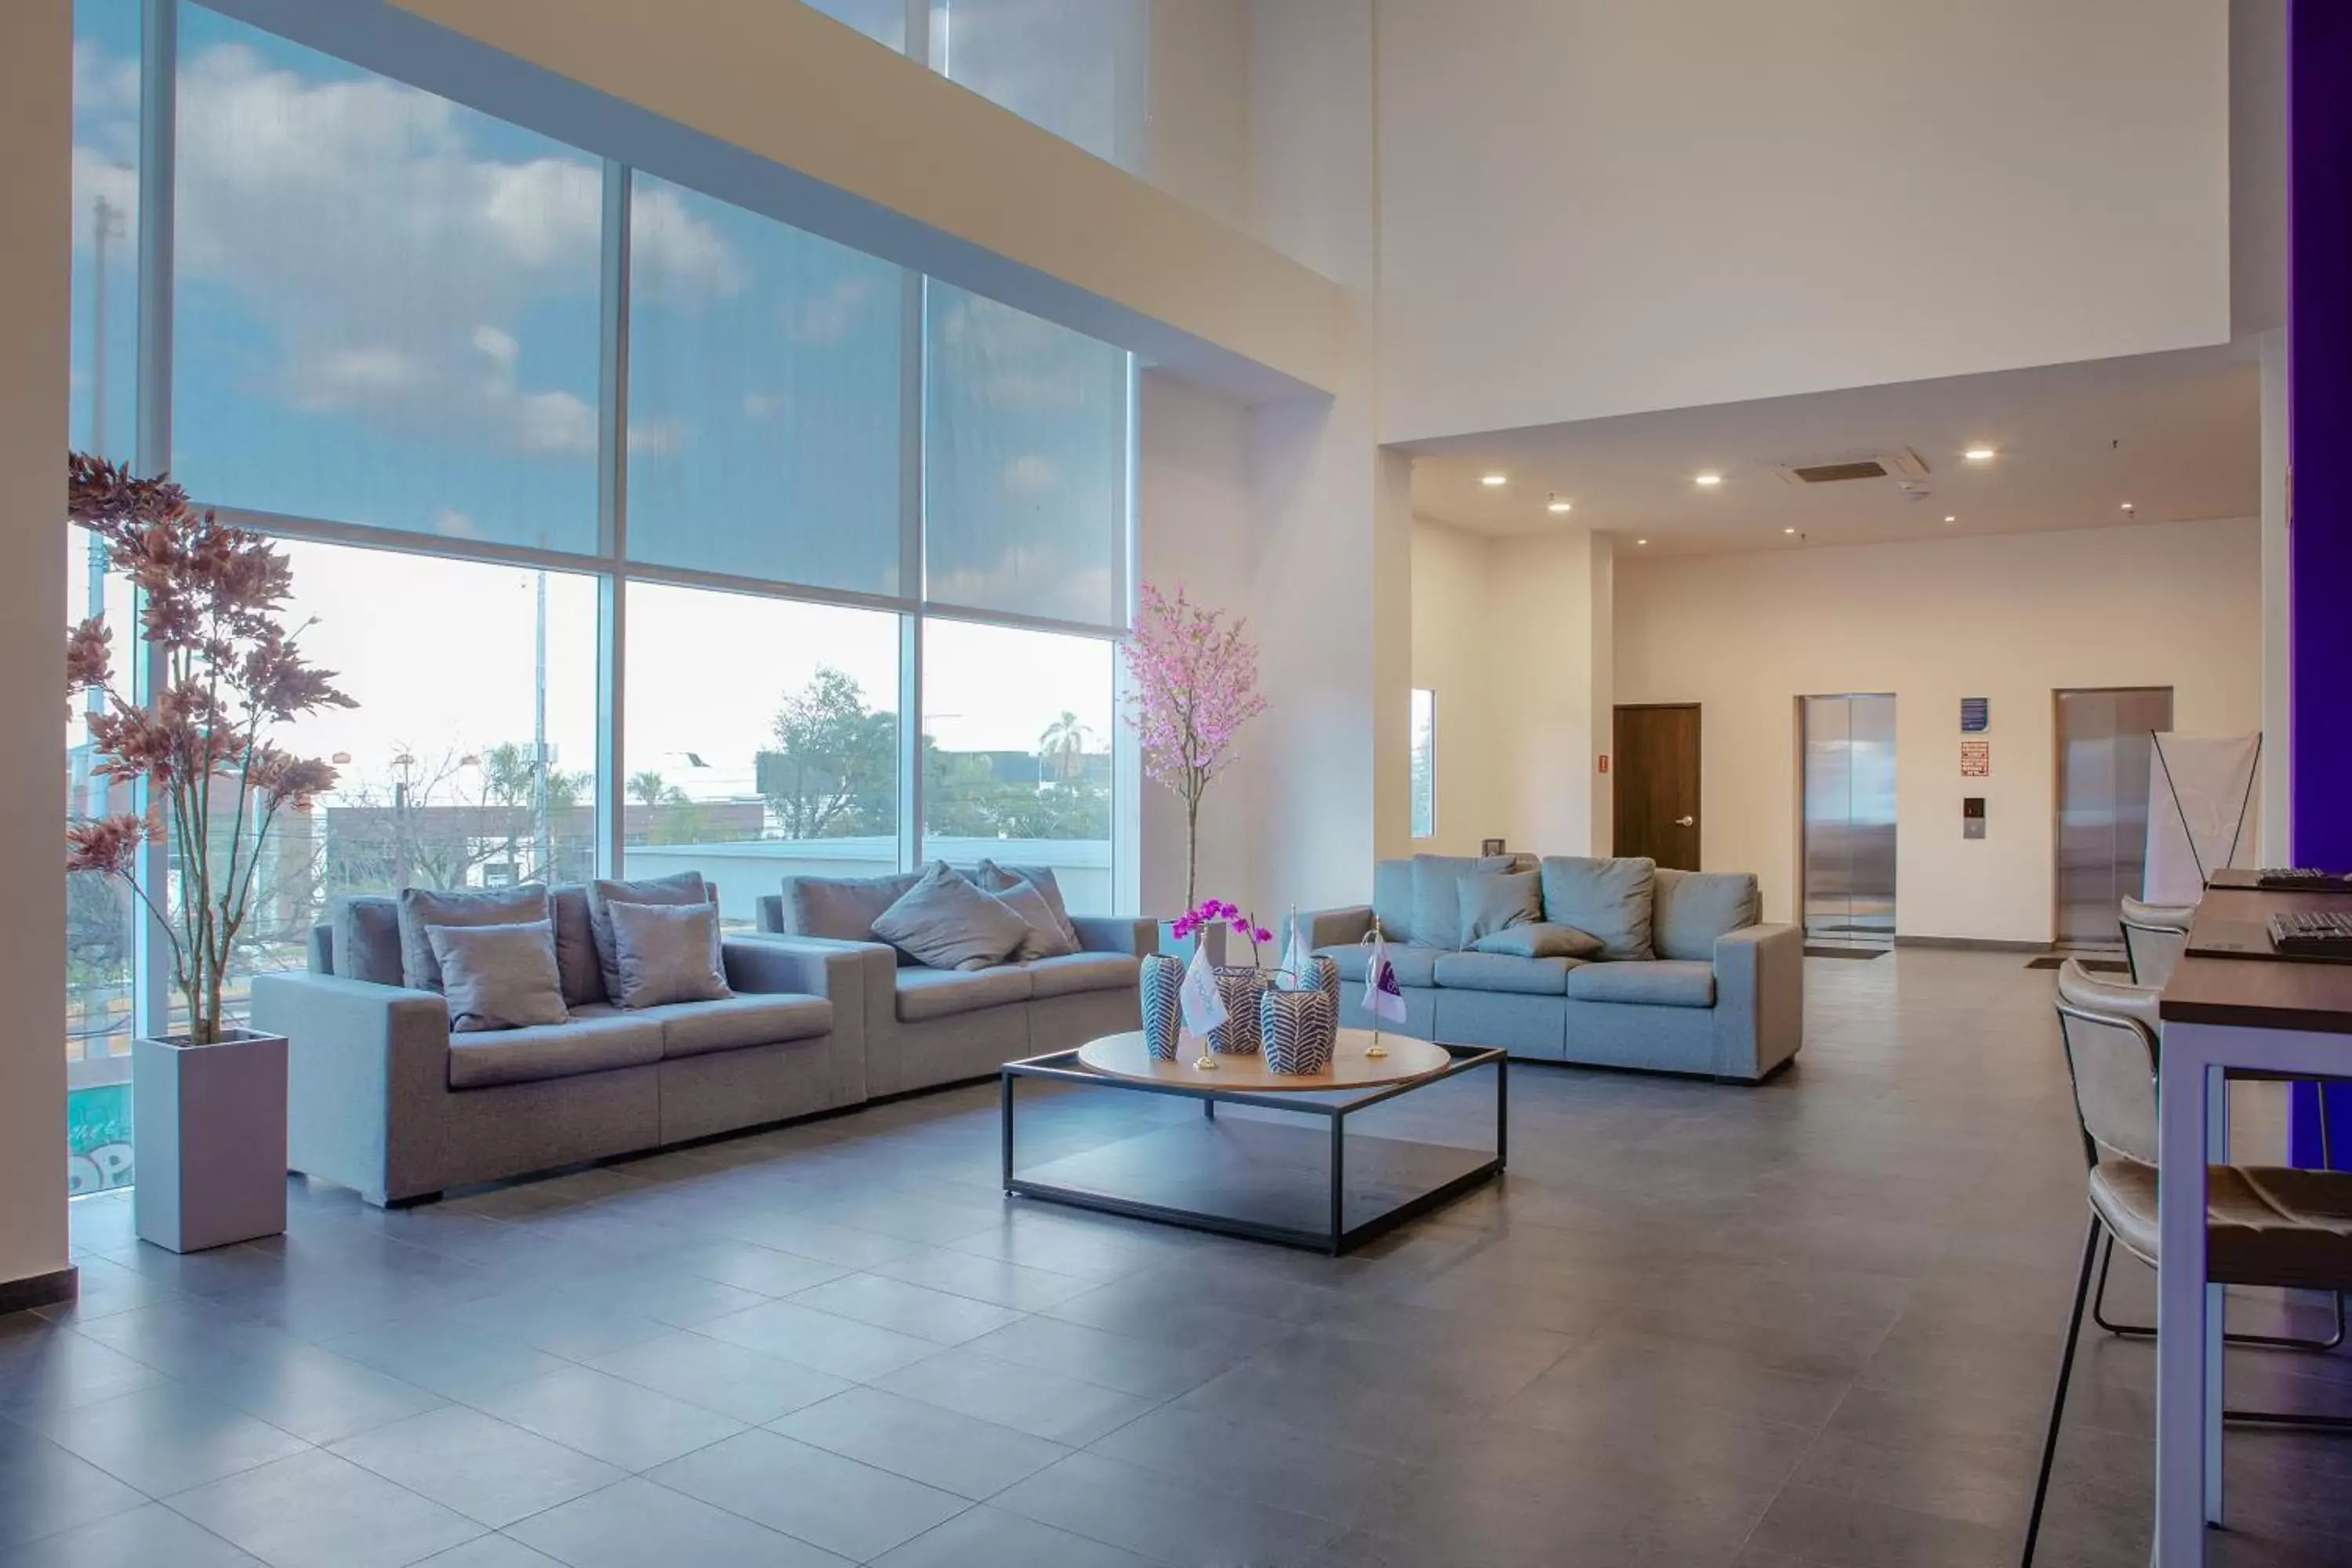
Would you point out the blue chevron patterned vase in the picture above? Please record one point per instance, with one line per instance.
(1162, 984)
(1323, 976)
(1241, 985)
(1297, 1030)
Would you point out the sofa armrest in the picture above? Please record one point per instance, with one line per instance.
(859, 978)
(1337, 927)
(365, 1066)
(1109, 933)
(1759, 999)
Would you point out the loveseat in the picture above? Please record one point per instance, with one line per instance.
(382, 1097)
(1674, 971)
(927, 1026)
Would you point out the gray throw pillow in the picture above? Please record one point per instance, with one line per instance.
(498, 977)
(841, 909)
(1436, 901)
(945, 922)
(995, 878)
(367, 940)
(1694, 908)
(1612, 899)
(1490, 904)
(575, 945)
(684, 888)
(1537, 939)
(663, 953)
(421, 908)
(1046, 938)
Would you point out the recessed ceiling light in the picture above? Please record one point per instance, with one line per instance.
(1980, 453)
(1951, 519)
(1788, 531)
(2128, 507)
(1556, 504)
(1709, 480)
(1493, 481)
(1640, 542)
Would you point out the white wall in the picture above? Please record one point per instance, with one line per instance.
(1592, 207)
(2012, 618)
(37, 129)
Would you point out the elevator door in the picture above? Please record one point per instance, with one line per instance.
(2104, 751)
(1849, 829)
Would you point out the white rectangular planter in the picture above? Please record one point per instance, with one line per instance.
(208, 1131)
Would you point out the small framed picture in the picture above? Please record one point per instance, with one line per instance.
(1490, 846)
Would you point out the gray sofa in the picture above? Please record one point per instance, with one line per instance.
(929, 1027)
(382, 1098)
(1693, 983)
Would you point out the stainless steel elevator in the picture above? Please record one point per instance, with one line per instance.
(1849, 828)
(2104, 751)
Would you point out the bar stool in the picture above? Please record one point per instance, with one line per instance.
(2265, 1226)
(2155, 936)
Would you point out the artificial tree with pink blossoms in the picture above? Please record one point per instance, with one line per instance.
(1194, 679)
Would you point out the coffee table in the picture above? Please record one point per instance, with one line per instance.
(1296, 1176)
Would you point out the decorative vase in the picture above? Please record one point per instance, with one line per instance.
(1299, 1030)
(1163, 985)
(1240, 985)
(209, 1138)
(1323, 976)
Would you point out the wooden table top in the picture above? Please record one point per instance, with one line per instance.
(1125, 1056)
(2257, 992)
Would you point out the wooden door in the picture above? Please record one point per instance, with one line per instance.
(1656, 775)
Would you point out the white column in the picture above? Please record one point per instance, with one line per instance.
(1551, 653)
(2277, 732)
(35, 250)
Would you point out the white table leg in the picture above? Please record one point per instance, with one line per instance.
(2181, 1302)
(2217, 1152)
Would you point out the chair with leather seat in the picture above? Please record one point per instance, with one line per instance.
(2265, 1226)
(2155, 936)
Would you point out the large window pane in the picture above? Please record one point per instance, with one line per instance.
(1016, 753)
(99, 910)
(762, 740)
(764, 398)
(1026, 439)
(385, 305)
(1075, 67)
(1424, 763)
(470, 760)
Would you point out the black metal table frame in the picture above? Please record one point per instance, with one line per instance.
(1338, 1237)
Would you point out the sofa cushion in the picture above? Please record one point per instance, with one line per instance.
(498, 977)
(683, 887)
(423, 907)
(697, 1028)
(598, 1039)
(995, 878)
(944, 993)
(575, 945)
(945, 922)
(1072, 972)
(666, 953)
(367, 939)
(1540, 939)
(1659, 983)
(1691, 909)
(1413, 965)
(1437, 897)
(1047, 937)
(1393, 898)
(1612, 899)
(1496, 903)
(842, 909)
(1501, 972)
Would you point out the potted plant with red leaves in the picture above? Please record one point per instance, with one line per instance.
(209, 1103)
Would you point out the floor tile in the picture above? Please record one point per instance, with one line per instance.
(167, 1437)
(1161, 1516)
(315, 1510)
(58, 1368)
(314, 1394)
(44, 1489)
(490, 1552)
(939, 1448)
(483, 1467)
(1042, 1404)
(1838, 1531)
(1143, 1367)
(751, 1386)
(984, 1278)
(636, 1523)
(846, 1507)
(989, 1538)
(149, 1537)
(858, 1351)
(607, 1417)
(1267, 1463)
(906, 1309)
(452, 1358)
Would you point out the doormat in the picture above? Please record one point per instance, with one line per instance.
(2095, 966)
(1816, 952)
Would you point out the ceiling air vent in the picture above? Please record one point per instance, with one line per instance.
(1901, 464)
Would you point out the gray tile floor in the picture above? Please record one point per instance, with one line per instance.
(1812, 1323)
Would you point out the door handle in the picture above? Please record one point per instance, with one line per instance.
(1685, 822)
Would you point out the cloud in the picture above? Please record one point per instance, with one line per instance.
(400, 249)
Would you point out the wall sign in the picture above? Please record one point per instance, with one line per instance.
(1976, 715)
(1976, 759)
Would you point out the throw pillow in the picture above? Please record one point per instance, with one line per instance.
(1694, 908)
(841, 909)
(662, 954)
(575, 945)
(684, 888)
(1537, 940)
(1612, 899)
(1436, 902)
(423, 907)
(366, 941)
(498, 977)
(1045, 939)
(945, 922)
(995, 878)
(1490, 904)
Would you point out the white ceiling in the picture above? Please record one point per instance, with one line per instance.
(2177, 435)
